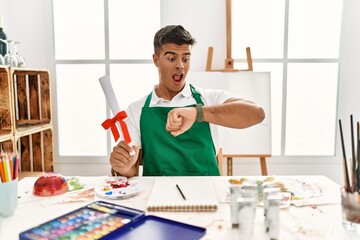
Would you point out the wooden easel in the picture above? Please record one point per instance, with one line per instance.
(229, 67)
(229, 161)
(229, 62)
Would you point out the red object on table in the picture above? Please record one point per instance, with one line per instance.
(50, 184)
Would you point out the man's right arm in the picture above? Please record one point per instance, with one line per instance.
(122, 163)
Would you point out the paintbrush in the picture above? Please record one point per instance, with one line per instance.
(347, 181)
(354, 175)
(358, 157)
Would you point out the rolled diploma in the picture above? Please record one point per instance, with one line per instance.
(113, 104)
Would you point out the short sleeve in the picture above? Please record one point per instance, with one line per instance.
(133, 120)
(214, 96)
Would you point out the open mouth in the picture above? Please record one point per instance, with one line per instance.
(177, 77)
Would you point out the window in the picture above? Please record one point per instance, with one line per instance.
(299, 42)
(89, 43)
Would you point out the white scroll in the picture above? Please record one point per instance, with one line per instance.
(113, 104)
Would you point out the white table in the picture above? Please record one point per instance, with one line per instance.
(309, 222)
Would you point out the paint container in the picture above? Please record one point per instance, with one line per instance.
(272, 219)
(246, 215)
(267, 192)
(250, 189)
(235, 192)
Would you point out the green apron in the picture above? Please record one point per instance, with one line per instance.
(189, 154)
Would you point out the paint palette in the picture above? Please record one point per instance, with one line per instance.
(118, 188)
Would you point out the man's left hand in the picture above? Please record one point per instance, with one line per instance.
(180, 120)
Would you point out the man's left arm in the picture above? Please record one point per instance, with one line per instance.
(233, 113)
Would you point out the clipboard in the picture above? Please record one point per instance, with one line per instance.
(108, 221)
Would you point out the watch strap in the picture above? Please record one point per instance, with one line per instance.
(200, 114)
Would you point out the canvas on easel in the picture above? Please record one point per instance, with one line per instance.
(253, 86)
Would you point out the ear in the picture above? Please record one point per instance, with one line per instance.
(155, 59)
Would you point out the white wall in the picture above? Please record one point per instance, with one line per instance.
(349, 94)
(30, 23)
(207, 26)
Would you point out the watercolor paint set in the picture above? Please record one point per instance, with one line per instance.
(104, 220)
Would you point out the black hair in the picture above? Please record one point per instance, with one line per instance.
(172, 34)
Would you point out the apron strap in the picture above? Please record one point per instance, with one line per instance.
(148, 99)
(196, 95)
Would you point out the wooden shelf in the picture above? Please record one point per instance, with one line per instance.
(7, 144)
(25, 116)
(6, 120)
(36, 151)
(4, 136)
(24, 131)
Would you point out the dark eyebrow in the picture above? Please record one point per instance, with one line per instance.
(173, 53)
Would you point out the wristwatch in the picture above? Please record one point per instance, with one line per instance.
(200, 114)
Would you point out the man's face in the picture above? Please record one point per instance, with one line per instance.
(173, 62)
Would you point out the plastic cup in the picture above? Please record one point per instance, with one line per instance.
(350, 209)
(8, 198)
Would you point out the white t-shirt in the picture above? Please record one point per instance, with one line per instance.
(184, 98)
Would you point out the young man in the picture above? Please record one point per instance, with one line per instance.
(174, 125)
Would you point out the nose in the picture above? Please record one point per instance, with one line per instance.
(179, 64)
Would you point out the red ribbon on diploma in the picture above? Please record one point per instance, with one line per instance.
(111, 123)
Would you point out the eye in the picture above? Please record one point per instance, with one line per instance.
(187, 59)
(171, 59)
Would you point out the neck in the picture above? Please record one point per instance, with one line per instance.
(166, 93)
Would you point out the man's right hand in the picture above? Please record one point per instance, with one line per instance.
(122, 162)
